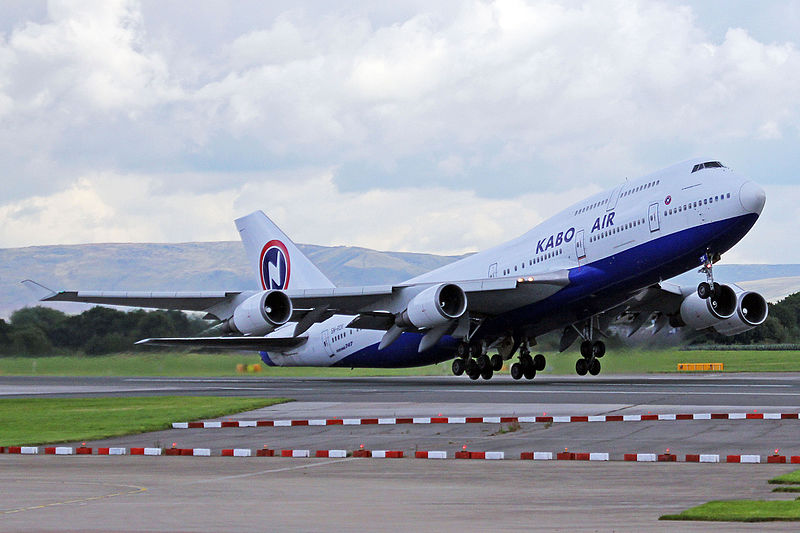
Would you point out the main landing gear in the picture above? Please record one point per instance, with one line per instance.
(591, 351)
(472, 361)
(527, 365)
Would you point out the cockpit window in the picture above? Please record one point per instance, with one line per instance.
(707, 164)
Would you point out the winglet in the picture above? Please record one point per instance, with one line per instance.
(40, 290)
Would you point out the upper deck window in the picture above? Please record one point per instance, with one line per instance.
(707, 164)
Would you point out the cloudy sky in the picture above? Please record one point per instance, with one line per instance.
(439, 127)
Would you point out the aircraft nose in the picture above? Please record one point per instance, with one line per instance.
(752, 197)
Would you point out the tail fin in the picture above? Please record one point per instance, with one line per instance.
(278, 263)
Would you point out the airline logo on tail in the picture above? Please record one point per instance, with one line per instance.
(275, 266)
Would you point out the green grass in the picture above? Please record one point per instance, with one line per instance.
(181, 364)
(638, 361)
(741, 511)
(792, 478)
(33, 421)
(786, 489)
(623, 361)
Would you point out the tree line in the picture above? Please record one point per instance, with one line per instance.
(36, 331)
(43, 331)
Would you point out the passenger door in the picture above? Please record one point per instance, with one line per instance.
(326, 342)
(652, 215)
(580, 249)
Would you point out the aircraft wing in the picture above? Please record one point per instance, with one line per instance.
(661, 300)
(490, 296)
(484, 296)
(218, 304)
(232, 343)
(773, 289)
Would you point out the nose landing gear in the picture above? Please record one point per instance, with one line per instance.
(706, 289)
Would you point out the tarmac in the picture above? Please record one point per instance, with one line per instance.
(102, 493)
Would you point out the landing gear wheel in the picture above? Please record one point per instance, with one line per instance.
(474, 373)
(463, 349)
(526, 360)
(529, 372)
(598, 349)
(471, 367)
(586, 349)
(483, 362)
(487, 372)
(704, 290)
(539, 362)
(581, 367)
(459, 366)
(516, 371)
(497, 362)
(594, 367)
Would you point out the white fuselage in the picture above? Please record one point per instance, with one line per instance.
(619, 223)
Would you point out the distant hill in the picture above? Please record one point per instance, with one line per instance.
(223, 265)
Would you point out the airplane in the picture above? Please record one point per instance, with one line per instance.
(601, 261)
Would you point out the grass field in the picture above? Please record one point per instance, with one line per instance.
(32, 421)
(191, 364)
(741, 511)
(749, 510)
(792, 478)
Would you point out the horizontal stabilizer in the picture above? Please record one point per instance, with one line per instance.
(275, 344)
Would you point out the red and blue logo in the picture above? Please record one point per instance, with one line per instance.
(275, 266)
(668, 200)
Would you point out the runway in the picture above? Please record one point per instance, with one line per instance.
(240, 494)
(131, 494)
(740, 391)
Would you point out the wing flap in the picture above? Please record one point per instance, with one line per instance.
(218, 303)
(275, 344)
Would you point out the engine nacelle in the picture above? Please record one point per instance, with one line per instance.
(701, 314)
(261, 313)
(435, 306)
(751, 311)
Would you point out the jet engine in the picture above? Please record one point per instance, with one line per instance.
(435, 306)
(751, 311)
(260, 314)
(701, 314)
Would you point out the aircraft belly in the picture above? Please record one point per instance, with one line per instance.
(401, 354)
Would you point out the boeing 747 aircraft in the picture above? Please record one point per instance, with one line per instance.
(601, 260)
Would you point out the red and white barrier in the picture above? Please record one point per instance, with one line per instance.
(337, 454)
(743, 459)
(485, 420)
(640, 457)
(387, 454)
(430, 455)
(295, 453)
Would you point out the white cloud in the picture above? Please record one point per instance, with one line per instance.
(310, 208)
(458, 123)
